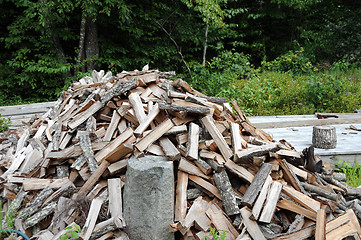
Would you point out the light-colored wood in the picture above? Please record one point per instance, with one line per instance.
(113, 145)
(193, 141)
(154, 135)
(271, 202)
(31, 184)
(343, 226)
(258, 205)
(251, 225)
(212, 155)
(217, 136)
(155, 149)
(188, 167)
(303, 233)
(321, 225)
(220, 222)
(180, 209)
(88, 185)
(169, 149)
(83, 116)
(91, 219)
(115, 197)
(118, 166)
(324, 137)
(182, 138)
(239, 171)
(136, 102)
(199, 205)
(290, 176)
(247, 154)
(238, 143)
(147, 121)
(206, 185)
(112, 126)
(291, 206)
(302, 199)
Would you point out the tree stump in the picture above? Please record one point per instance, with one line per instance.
(324, 137)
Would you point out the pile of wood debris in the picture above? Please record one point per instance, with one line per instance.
(68, 166)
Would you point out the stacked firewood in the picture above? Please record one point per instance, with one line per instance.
(68, 166)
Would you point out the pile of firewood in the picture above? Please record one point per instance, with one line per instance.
(68, 166)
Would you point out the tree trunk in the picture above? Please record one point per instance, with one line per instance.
(324, 137)
(205, 46)
(91, 43)
(81, 43)
(49, 26)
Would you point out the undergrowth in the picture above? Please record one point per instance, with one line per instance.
(352, 172)
(4, 124)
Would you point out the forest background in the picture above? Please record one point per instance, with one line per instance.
(273, 56)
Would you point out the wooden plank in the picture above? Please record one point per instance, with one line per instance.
(302, 199)
(221, 223)
(154, 135)
(118, 166)
(290, 176)
(239, 171)
(112, 126)
(237, 141)
(115, 197)
(305, 123)
(256, 184)
(34, 108)
(83, 116)
(31, 184)
(113, 145)
(180, 209)
(249, 153)
(193, 141)
(88, 185)
(91, 218)
(217, 136)
(258, 205)
(155, 149)
(134, 99)
(147, 121)
(343, 226)
(291, 206)
(169, 149)
(271, 202)
(251, 225)
(188, 167)
(321, 225)
(206, 185)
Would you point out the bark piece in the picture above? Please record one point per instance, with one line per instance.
(256, 185)
(228, 197)
(258, 205)
(175, 108)
(43, 213)
(210, 188)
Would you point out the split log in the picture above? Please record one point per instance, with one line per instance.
(181, 196)
(193, 141)
(40, 215)
(172, 107)
(91, 219)
(228, 197)
(321, 225)
(256, 185)
(249, 153)
(251, 225)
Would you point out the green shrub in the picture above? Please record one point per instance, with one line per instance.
(216, 235)
(220, 74)
(352, 172)
(72, 233)
(293, 61)
(4, 124)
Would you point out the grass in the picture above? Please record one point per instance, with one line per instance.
(352, 172)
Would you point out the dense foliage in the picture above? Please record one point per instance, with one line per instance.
(275, 56)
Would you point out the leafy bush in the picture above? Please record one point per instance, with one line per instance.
(220, 74)
(216, 235)
(72, 233)
(4, 124)
(352, 172)
(293, 61)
